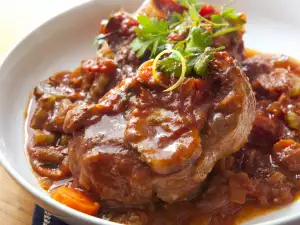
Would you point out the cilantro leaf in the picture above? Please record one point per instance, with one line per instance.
(227, 30)
(146, 23)
(231, 16)
(154, 47)
(140, 46)
(201, 64)
(193, 12)
(195, 3)
(170, 65)
(151, 35)
(198, 40)
(175, 19)
(216, 18)
(155, 26)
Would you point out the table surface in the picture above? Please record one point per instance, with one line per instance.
(18, 17)
(16, 205)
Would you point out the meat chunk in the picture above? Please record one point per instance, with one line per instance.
(120, 32)
(287, 152)
(270, 75)
(88, 82)
(166, 140)
(265, 131)
(234, 44)
(275, 79)
(145, 144)
(111, 169)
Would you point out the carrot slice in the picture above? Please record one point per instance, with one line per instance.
(282, 144)
(76, 200)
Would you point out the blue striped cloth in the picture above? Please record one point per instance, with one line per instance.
(42, 217)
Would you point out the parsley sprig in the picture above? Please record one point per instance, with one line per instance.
(151, 35)
(196, 48)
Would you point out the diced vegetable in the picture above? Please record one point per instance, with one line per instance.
(45, 183)
(64, 140)
(287, 153)
(51, 170)
(293, 120)
(207, 10)
(98, 86)
(39, 118)
(282, 144)
(106, 51)
(43, 139)
(103, 25)
(76, 200)
(275, 108)
(276, 177)
(295, 92)
(47, 102)
(50, 156)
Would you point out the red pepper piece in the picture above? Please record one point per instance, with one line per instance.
(207, 10)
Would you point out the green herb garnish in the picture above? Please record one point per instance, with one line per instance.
(151, 34)
(195, 45)
(99, 40)
(196, 52)
(231, 16)
(182, 65)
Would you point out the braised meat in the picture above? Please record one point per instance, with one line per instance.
(276, 81)
(139, 143)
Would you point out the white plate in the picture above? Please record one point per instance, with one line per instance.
(65, 40)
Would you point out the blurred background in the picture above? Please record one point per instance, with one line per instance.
(18, 17)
